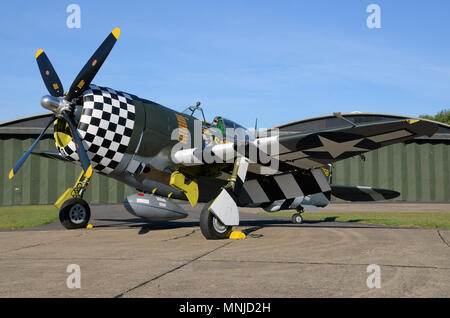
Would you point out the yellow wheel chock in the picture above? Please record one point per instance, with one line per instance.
(237, 235)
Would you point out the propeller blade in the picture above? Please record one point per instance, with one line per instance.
(85, 162)
(27, 153)
(90, 69)
(48, 73)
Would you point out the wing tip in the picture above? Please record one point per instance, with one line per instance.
(11, 174)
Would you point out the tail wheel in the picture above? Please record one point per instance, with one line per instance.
(74, 214)
(297, 218)
(211, 227)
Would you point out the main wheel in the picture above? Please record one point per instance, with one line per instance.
(74, 214)
(211, 227)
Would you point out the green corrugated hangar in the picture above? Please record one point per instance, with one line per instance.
(418, 169)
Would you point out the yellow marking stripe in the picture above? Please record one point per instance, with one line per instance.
(183, 128)
(11, 174)
(180, 118)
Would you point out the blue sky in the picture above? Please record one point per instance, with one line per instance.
(275, 60)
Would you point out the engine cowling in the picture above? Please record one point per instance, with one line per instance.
(154, 207)
(105, 126)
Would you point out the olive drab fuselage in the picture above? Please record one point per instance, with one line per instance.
(157, 129)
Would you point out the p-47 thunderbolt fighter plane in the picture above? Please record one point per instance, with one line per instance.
(170, 156)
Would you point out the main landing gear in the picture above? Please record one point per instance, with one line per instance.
(220, 214)
(297, 218)
(211, 227)
(74, 212)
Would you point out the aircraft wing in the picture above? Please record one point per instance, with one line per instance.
(312, 149)
(317, 142)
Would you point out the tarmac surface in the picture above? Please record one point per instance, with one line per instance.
(123, 256)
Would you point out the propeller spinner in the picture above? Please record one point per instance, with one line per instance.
(61, 105)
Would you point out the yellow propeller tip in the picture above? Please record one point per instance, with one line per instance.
(39, 52)
(88, 173)
(11, 174)
(116, 33)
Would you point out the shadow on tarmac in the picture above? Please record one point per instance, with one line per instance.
(147, 226)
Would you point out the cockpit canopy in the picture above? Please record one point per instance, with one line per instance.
(231, 127)
(222, 125)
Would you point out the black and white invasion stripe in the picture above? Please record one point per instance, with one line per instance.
(287, 187)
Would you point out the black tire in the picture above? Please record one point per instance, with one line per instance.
(297, 218)
(74, 214)
(211, 227)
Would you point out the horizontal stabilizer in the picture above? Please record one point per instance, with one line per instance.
(361, 193)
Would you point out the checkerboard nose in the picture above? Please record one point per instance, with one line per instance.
(106, 124)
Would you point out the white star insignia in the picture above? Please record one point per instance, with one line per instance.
(335, 149)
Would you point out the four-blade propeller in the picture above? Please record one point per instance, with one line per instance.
(60, 104)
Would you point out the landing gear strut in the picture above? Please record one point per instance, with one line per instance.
(297, 217)
(74, 212)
